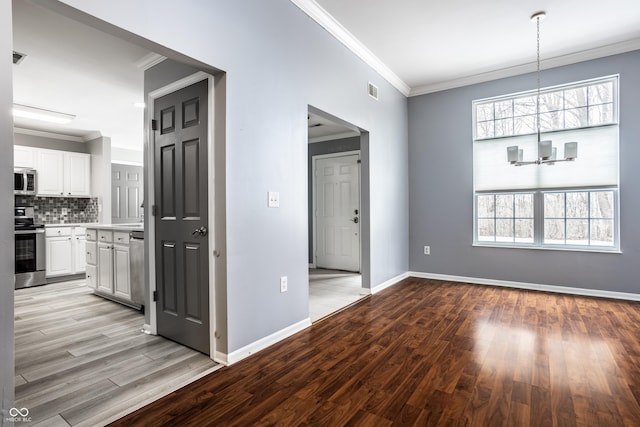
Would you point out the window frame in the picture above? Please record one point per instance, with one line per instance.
(614, 79)
(538, 192)
(539, 218)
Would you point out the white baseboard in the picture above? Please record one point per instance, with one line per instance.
(532, 286)
(389, 283)
(261, 344)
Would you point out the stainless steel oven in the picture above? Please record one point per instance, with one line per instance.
(29, 249)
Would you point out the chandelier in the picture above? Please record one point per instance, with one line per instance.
(546, 151)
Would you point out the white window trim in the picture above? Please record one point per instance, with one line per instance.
(538, 219)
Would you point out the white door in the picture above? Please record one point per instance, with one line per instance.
(337, 190)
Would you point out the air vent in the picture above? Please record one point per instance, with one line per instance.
(373, 90)
(18, 57)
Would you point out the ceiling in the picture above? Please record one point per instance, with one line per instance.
(323, 129)
(75, 69)
(435, 45)
(419, 46)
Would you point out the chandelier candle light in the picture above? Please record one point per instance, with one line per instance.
(546, 152)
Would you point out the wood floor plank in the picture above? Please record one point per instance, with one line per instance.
(428, 352)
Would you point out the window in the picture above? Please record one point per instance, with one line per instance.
(570, 205)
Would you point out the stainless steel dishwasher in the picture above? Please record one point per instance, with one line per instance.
(136, 267)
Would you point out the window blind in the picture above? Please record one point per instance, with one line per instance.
(596, 165)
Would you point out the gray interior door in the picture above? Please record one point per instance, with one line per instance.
(180, 168)
(126, 193)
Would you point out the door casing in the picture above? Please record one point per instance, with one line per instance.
(150, 235)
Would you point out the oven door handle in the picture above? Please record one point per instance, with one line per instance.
(39, 231)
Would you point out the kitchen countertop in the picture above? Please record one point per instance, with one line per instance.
(79, 224)
(116, 227)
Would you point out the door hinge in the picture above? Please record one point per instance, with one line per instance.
(155, 295)
(154, 210)
(359, 161)
(154, 124)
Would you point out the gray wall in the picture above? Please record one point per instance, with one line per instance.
(7, 246)
(441, 188)
(316, 149)
(277, 62)
(100, 150)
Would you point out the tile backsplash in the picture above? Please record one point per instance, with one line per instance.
(61, 210)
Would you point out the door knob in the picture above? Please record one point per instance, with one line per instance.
(202, 231)
(355, 219)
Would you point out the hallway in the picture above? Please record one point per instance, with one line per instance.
(332, 290)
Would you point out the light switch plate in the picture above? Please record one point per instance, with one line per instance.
(273, 199)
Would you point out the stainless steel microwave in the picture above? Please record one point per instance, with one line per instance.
(24, 181)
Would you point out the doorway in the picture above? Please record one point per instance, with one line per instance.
(336, 250)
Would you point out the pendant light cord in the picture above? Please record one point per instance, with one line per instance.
(538, 80)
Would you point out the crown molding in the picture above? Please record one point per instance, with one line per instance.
(51, 135)
(150, 60)
(329, 23)
(558, 61)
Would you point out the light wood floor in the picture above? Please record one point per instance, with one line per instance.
(83, 360)
(431, 353)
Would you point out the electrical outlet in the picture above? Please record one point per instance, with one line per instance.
(283, 284)
(427, 250)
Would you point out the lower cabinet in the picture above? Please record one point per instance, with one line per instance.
(105, 267)
(65, 251)
(108, 264)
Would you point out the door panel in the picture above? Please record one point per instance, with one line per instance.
(182, 263)
(338, 213)
(169, 293)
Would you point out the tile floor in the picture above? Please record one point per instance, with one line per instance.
(331, 290)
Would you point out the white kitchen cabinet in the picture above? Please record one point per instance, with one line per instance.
(121, 285)
(111, 263)
(50, 167)
(58, 261)
(92, 279)
(24, 157)
(77, 174)
(65, 251)
(79, 249)
(91, 257)
(63, 173)
(105, 267)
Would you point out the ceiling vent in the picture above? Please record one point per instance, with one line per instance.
(18, 57)
(373, 90)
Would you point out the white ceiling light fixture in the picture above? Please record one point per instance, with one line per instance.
(546, 151)
(35, 113)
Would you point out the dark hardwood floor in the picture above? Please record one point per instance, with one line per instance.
(427, 352)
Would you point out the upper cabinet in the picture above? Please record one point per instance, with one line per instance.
(24, 157)
(63, 173)
(77, 177)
